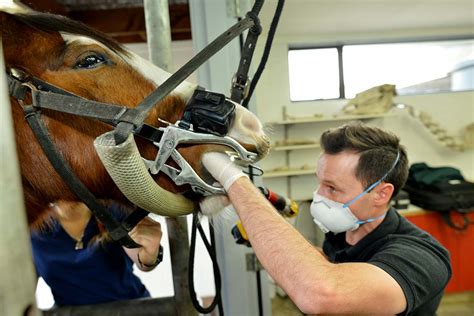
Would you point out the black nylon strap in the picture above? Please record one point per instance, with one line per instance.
(116, 231)
(124, 129)
(83, 107)
(239, 86)
(57, 99)
(134, 218)
(16, 88)
(54, 98)
(266, 52)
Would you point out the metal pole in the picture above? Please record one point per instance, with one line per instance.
(208, 19)
(17, 274)
(158, 33)
(159, 48)
(179, 251)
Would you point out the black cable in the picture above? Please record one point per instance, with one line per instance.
(259, 293)
(257, 6)
(217, 276)
(266, 51)
(196, 225)
(213, 244)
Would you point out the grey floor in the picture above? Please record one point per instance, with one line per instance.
(461, 304)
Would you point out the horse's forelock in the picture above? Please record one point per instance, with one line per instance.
(56, 23)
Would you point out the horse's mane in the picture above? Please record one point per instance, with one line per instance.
(56, 23)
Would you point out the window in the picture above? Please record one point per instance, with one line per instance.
(415, 68)
(314, 74)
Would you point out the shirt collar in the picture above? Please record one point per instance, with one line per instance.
(339, 250)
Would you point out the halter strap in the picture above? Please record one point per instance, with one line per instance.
(117, 231)
(47, 96)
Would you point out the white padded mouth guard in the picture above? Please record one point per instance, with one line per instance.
(127, 169)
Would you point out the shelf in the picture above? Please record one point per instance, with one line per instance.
(328, 119)
(295, 147)
(289, 172)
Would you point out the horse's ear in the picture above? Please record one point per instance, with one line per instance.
(24, 44)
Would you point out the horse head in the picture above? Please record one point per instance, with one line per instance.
(86, 63)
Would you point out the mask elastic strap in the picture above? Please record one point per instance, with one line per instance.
(370, 220)
(376, 183)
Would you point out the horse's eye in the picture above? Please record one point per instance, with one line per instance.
(90, 61)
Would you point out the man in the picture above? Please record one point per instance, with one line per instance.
(374, 260)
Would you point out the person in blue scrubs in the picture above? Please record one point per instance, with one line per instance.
(82, 269)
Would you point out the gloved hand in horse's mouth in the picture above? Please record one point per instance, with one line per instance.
(225, 172)
(222, 168)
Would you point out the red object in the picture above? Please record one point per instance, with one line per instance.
(460, 244)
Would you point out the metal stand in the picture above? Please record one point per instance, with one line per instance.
(159, 48)
(216, 75)
(179, 248)
(17, 276)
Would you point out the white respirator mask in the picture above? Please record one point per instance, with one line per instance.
(332, 216)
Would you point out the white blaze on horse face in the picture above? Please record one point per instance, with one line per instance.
(158, 75)
(141, 65)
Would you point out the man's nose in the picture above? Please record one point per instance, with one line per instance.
(318, 190)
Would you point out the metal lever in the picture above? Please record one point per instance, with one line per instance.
(174, 135)
(187, 175)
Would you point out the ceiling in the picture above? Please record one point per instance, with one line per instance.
(124, 19)
(302, 17)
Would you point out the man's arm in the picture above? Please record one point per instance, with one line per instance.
(148, 234)
(312, 282)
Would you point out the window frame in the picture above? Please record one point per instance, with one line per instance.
(340, 51)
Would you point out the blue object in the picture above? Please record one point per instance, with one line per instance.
(98, 273)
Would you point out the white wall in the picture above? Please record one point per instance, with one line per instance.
(452, 110)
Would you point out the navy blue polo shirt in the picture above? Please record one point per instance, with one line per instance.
(98, 273)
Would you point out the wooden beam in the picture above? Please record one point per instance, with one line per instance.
(126, 25)
(49, 6)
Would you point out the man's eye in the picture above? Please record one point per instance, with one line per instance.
(90, 61)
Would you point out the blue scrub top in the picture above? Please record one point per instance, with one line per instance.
(98, 273)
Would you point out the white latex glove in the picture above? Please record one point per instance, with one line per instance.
(222, 168)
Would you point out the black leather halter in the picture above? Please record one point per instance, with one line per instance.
(125, 120)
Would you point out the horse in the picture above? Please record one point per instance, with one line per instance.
(87, 63)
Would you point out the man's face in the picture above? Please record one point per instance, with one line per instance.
(337, 180)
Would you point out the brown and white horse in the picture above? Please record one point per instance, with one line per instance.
(87, 63)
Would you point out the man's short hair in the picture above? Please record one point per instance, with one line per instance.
(377, 148)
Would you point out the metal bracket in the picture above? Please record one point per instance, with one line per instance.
(252, 262)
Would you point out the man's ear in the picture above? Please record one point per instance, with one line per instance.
(383, 193)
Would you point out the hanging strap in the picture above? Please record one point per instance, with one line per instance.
(241, 79)
(124, 129)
